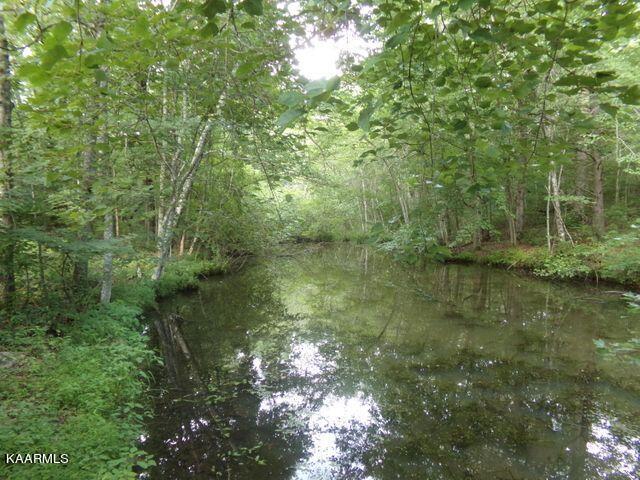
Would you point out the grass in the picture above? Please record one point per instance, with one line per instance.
(75, 382)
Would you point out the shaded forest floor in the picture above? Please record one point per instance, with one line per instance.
(73, 379)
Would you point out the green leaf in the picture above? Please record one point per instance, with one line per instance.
(141, 26)
(605, 76)
(318, 87)
(36, 74)
(289, 116)
(573, 80)
(520, 26)
(396, 39)
(61, 31)
(53, 56)
(481, 35)
(210, 29)
(609, 109)
(211, 8)
(100, 75)
(459, 124)
(23, 21)
(351, 126)
(466, 4)
(245, 69)
(93, 60)
(104, 42)
(252, 7)
(291, 99)
(483, 82)
(399, 20)
(364, 117)
(631, 95)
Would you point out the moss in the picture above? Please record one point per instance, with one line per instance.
(81, 390)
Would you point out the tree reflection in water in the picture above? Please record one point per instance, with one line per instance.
(339, 363)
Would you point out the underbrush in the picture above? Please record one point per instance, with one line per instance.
(74, 382)
(617, 259)
(411, 243)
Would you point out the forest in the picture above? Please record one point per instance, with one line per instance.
(146, 145)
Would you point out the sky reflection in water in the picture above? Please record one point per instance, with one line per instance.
(339, 363)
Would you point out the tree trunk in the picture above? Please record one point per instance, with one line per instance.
(81, 264)
(521, 191)
(511, 218)
(178, 202)
(581, 184)
(598, 193)
(548, 212)
(401, 200)
(555, 201)
(7, 271)
(107, 266)
(181, 247)
(160, 210)
(555, 180)
(103, 152)
(193, 244)
(619, 169)
(364, 206)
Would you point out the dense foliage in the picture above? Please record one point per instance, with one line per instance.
(494, 121)
(133, 133)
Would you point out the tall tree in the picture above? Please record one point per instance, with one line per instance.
(7, 247)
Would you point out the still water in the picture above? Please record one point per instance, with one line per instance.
(336, 362)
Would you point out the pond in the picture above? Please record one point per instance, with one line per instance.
(336, 362)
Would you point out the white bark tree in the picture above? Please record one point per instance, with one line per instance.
(178, 199)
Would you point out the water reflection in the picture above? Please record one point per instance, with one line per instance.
(336, 418)
(338, 363)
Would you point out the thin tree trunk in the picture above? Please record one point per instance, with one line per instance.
(548, 212)
(581, 184)
(178, 202)
(181, 247)
(618, 164)
(557, 212)
(81, 264)
(511, 217)
(598, 192)
(521, 191)
(102, 152)
(561, 229)
(41, 269)
(7, 268)
(403, 206)
(163, 170)
(364, 206)
(193, 244)
(107, 266)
